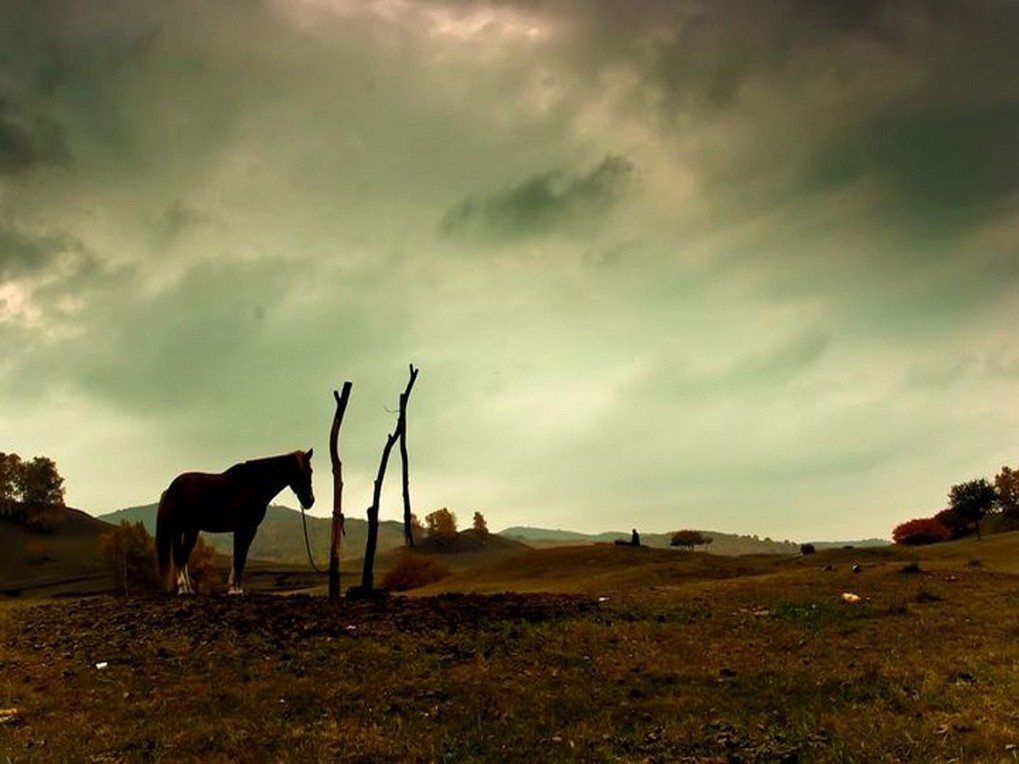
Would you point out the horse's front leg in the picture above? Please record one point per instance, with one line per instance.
(242, 541)
(184, 581)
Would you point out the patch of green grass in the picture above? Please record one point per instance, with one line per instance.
(817, 614)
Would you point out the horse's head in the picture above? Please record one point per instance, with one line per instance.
(300, 484)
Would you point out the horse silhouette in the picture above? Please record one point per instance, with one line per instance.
(232, 501)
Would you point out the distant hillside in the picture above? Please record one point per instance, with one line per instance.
(280, 537)
(721, 543)
(67, 558)
(527, 532)
(819, 545)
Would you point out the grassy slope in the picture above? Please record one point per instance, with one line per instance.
(686, 660)
(66, 560)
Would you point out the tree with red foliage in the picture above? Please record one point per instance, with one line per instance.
(923, 530)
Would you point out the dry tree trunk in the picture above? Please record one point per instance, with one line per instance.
(334, 457)
(408, 532)
(368, 572)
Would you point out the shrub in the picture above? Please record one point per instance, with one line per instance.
(131, 554)
(689, 539)
(202, 568)
(807, 549)
(924, 530)
(413, 570)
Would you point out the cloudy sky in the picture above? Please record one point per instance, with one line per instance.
(746, 266)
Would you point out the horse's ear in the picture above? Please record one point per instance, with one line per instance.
(309, 453)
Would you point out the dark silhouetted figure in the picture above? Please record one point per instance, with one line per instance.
(635, 538)
(232, 501)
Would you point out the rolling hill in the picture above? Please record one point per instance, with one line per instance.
(67, 559)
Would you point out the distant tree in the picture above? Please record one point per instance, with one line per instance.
(131, 554)
(807, 549)
(441, 525)
(39, 482)
(956, 522)
(480, 526)
(1006, 483)
(10, 470)
(973, 499)
(924, 530)
(689, 539)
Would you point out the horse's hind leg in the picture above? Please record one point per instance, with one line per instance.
(242, 540)
(182, 547)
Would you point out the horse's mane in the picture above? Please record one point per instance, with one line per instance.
(260, 466)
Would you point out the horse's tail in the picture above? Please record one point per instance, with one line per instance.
(164, 542)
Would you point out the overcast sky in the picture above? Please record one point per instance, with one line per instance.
(745, 266)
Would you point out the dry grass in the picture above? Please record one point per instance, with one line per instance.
(660, 659)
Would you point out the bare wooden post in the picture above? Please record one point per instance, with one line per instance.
(408, 533)
(337, 528)
(368, 571)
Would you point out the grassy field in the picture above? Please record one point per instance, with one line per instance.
(628, 655)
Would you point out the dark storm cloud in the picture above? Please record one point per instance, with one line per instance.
(543, 203)
(916, 99)
(28, 140)
(940, 164)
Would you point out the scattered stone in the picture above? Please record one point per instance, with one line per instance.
(913, 567)
(925, 596)
(9, 716)
(857, 568)
(828, 568)
(726, 673)
(974, 563)
(851, 599)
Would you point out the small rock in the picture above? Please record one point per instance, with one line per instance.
(856, 568)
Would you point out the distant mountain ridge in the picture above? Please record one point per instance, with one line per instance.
(721, 543)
